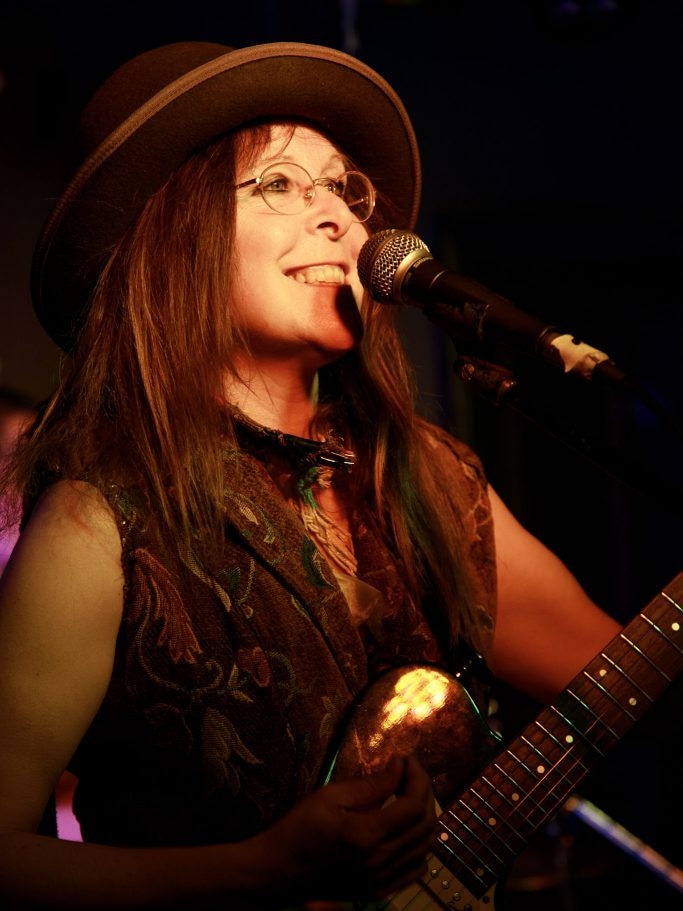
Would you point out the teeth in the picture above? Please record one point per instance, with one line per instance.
(329, 275)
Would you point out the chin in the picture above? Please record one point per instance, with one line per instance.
(332, 346)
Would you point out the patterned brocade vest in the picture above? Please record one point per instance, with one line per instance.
(228, 689)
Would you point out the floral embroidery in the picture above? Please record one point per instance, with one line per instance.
(220, 744)
(329, 720)
(312, 563)
(190, 560)
(170, 726)
(164, 603)
(253, 662)
(257, 517)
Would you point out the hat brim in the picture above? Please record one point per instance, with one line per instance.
(132, 158)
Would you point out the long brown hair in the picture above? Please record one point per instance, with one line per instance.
(139, 404)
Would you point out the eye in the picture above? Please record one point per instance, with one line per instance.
(333, 185)
(277, 183)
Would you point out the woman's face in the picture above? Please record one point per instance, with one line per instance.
(296, 289)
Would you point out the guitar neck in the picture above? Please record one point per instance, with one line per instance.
(483, 831)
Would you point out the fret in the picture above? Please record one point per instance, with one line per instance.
(586, 717)
(559, 780)
(671, 601)
(461, 857)
(524, 804)
(543, 772)
(522, 778)
(515, 796)
(501, 799)
(505, 799)
(549, 750)
(614, 711)
(507, 837)
(661, 632)
(611, 698)
(645, 657)
(631, 681)
(486, 840)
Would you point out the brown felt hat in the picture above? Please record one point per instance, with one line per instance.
(165, 104)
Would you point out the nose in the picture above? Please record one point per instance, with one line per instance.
(328, 212)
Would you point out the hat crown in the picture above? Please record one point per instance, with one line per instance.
(134, 83)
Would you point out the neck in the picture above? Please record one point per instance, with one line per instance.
(284, 400)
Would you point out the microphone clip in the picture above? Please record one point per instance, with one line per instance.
(492, 381)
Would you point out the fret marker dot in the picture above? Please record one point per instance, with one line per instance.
(569, 738)
(633, 701)
(492, 820)
(515, 796)
(540, 769)
(480, 871)
(444, 836)
(675, 626)
(602, 672)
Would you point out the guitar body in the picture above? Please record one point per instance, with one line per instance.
(496, 800)
(423, 710)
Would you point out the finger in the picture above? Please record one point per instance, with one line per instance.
(416, 782)
(373, 790)
(406, 814)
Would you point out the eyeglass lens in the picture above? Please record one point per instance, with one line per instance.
(289, 188)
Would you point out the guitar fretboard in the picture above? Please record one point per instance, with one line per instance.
(490, 824)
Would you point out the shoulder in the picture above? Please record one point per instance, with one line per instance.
(70, 540)
(61, 595)
(75, 508)
(459, 482)
(449, 452)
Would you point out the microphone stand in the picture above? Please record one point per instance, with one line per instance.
(499, 385)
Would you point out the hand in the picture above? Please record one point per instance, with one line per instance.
(364, 838)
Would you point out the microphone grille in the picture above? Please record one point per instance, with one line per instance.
(380, 258)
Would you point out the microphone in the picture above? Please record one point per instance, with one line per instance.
(396, 267)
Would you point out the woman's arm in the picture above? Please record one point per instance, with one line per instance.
(61, 603)
(547, 628)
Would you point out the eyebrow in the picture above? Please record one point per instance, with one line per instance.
(262, 163)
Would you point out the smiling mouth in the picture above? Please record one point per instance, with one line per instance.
(319, 275)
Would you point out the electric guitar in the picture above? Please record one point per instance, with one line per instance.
(423, 710)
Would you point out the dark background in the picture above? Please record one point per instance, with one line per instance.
(551, 142)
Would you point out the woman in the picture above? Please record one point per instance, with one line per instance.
(234, 519)
(16, 413)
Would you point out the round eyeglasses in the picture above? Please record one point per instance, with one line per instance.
(289, 189)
